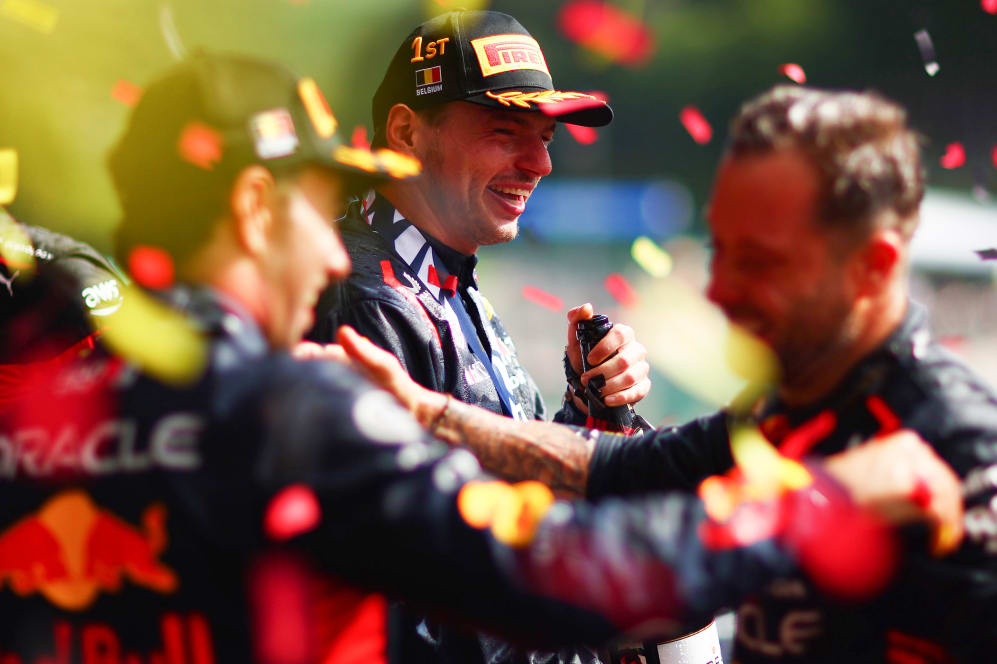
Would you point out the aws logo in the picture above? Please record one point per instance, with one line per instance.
(70, 550)
(501, 53)
(102, 299)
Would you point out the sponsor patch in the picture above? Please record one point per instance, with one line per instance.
(501, 53)
(273, 133)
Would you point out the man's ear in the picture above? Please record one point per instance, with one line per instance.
(249, 203)
(879, 259)
(400, 129)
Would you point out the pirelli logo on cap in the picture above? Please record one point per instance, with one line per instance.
(498, 54)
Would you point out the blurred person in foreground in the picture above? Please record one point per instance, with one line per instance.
(56, 293)
(811, 216)
(469, 94)
(230, 512)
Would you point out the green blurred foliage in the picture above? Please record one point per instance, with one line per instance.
(56, 106)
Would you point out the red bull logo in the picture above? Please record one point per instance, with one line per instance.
(70, 550)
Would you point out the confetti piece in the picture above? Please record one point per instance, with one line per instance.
(294, 510)
(793, 72)
(954, 157)
(651, 257)
(31, 13)
(696, 125)
(993, 156)
(200, 145)
(989, 6)
(543, 298)
(607, 30)
(323, 120)
(927, 48)
(690, 341)
(621, 290)
(8, 175)
(158, 339)
(16, 250)
(170, 35)
(980, 193)
(584, 135)
(987, 254)
(359, 139)
(151, 267)
(126, 92)
(432, 7)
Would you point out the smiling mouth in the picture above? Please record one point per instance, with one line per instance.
(515, 195)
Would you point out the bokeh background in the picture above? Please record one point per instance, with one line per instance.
(69, 67)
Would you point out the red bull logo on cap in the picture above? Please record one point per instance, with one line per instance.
(501, 53)
(70, 550)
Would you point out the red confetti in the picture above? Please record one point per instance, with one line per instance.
(696, 125)
(989, 6)
(543, 298)
(993, 155)
(954, 157)
(151, 267)
(200, 145)
(359, 138)
(607, 30)
(558, 108)
(293, 511)
(620, 289)
(793, 72)
(584, 135)
(126, 92)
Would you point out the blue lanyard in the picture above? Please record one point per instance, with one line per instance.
(474, 343)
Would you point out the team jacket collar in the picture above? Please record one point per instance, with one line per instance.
(907, 342)
(439, 267)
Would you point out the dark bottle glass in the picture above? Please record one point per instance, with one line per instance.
(621, 419)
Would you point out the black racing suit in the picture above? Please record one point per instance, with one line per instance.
(937, 606)
(144, 522)
(419, 299)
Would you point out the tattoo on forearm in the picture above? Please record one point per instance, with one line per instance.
(550, 453)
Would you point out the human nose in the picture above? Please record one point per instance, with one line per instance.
(534, 159)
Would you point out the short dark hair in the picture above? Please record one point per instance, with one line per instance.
(432, 115)
(867, 158)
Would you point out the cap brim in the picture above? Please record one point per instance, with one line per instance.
(564, 106)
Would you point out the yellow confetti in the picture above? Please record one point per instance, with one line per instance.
(8, 175)
(32, 13)
(690, 341)
(512, 511)
(651, 257)
(156, 338)
(323, 120)
(16, 250)
(766, 471)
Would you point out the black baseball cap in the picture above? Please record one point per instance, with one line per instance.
(213, 114)
(482, 57)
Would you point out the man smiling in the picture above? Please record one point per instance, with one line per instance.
(464, 94)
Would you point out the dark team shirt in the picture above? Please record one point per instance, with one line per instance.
(419, 299)
(937, 608)
(235, 518)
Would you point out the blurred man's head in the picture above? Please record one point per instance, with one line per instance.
(232, 166)
(812, 211)
(464, 95)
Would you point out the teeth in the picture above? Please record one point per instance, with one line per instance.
(514, 191)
